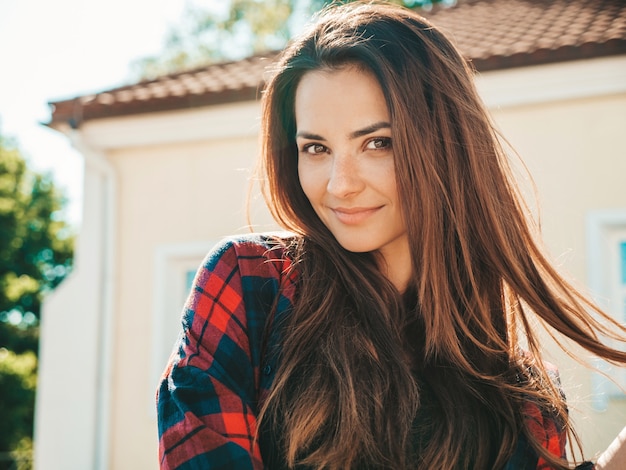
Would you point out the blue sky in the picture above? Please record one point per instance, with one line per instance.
(52, 50)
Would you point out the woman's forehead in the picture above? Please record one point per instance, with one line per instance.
(327, 98)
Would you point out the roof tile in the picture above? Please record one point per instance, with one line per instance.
(493, 34)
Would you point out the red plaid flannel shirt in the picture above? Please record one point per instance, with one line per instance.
(208, 398)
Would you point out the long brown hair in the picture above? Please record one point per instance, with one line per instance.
(433, 377)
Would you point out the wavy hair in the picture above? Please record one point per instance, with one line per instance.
(432, 377)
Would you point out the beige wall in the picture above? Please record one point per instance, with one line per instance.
(575, 151)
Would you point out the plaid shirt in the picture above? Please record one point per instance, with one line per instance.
(209, 395)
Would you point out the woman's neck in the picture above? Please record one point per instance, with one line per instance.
(395, 264)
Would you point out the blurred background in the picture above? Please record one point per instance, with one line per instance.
(127, 134)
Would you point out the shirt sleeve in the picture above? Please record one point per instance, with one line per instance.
(207, 397)
(548, 429)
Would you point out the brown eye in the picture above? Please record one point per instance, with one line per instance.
(379, 143)
(314, 149)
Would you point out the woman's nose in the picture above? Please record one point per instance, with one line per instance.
(344, 179)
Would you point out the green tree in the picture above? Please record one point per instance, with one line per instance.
(36, 244)
(36, 249)
(236, 29)
(18, 381)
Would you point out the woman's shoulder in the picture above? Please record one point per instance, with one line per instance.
(259, 242)
(264, 254)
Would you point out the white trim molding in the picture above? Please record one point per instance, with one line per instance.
(553, 82)
(175, 127)
(605, 229)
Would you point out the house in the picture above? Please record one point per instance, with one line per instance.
(166, 175)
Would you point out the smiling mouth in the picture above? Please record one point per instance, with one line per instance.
(355, 215)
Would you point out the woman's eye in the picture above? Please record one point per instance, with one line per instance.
(314, 149)
(379, 143)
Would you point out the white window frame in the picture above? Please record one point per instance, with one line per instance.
(172, 262)
(606, 229)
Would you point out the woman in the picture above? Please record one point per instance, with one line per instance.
(391, 328)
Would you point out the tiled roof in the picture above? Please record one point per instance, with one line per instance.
(227, 82)
(499, 34)
(494, 34)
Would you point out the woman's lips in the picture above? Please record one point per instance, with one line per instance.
(354, 215)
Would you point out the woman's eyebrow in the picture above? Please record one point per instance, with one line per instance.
(369, 129)
(353, 135)
(308, 135)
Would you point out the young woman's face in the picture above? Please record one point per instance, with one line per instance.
(346, 160)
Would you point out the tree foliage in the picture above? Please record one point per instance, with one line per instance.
(18, 381)
(36, 245)
(236, 29)
(36, 249)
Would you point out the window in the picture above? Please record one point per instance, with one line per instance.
(175, 268)
(622, 287)
(606, 242)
